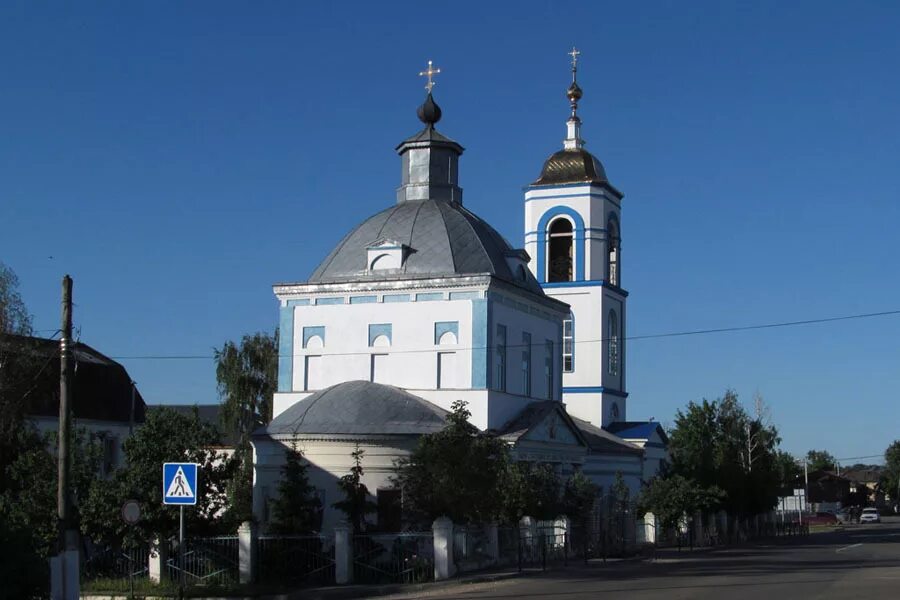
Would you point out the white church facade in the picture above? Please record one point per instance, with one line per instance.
(424, 304)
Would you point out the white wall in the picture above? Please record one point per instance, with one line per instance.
(116, 430)
(412, 354)
(329, 460)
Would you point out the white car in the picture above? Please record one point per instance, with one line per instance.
(870, 515)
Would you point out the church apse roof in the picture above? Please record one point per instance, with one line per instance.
(359, 408)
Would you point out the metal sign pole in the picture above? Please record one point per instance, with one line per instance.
(181, 544)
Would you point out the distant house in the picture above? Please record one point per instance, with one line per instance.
(648, 435)
(105, 401)
(864, 482)
(825, 490)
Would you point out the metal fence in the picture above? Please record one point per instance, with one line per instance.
(205, 561)
(393, 557)
(307, 559)
(471, 548)
(123, 564)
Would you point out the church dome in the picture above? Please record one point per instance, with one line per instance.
(572, 165)
(438, 238)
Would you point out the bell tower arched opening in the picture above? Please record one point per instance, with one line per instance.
(561, 259)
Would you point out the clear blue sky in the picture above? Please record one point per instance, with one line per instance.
(178, 158)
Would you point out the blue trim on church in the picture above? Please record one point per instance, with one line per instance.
(599, 389)
(442, 327)
(286, 349)
(309, 332)
(481, 317)
(578, 232)
(377, 329)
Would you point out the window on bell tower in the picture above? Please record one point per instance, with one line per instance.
(613, 340)
(560, 262)
(612, 235)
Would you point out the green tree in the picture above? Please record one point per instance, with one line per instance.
(578, 497)
(820, 460)
(529, 489)
(719, 444)
(891, 483)
(297, 509)
(356, 504)
(166, 436)
(14, 316)
(457, 472)
(247, 380)
(21, 368)
(671, 498)
(788, 468)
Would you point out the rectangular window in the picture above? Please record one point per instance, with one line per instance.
(568, 345)
(312, 377)
(378, 372)
(389, 510)
(549, 357)
(526, 363)
(110, 445)
(500, 359)
(446, 370)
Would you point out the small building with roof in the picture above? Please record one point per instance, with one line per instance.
(105, 401)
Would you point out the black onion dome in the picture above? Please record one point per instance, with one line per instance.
(574, 165)
(429, 113)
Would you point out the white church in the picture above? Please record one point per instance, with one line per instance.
(424, 303)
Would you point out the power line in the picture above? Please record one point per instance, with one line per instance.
(594, 341)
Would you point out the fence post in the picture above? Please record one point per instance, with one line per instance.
(247, 549)
(343, 553)
(159, 555)
(650, 528)
(444, 567)
(493, 542)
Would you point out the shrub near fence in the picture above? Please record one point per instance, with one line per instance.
(115, 564)
(393, 557)
(307, 559)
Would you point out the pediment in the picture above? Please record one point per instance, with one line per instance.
(554, 429)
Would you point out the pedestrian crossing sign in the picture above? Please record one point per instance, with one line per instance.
(179, 483)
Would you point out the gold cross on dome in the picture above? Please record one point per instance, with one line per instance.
(574, 54)
(430, 72)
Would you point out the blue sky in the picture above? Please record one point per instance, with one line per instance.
(178, 158)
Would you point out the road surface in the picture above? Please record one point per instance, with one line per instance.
(858, 561)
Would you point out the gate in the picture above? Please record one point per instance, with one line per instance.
(393, 558)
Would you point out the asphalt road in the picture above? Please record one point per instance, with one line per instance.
(858, 561)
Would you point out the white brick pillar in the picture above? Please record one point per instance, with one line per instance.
(247, 549)
(343, 553)
(648, 528)
(159, 555)
(444, 566)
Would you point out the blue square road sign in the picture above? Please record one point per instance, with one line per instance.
(179, 483)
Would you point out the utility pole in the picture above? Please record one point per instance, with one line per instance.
(64, 579)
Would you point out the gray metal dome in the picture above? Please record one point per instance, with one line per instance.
(442, 238)
(359, 407)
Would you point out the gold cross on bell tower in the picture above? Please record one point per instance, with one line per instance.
(430, 72)
(574, 54)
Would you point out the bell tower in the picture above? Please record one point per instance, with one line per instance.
(573, 231)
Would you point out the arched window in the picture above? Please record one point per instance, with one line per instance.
(560, 261)
(613, 252)
(568, 346)
(613, 341)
